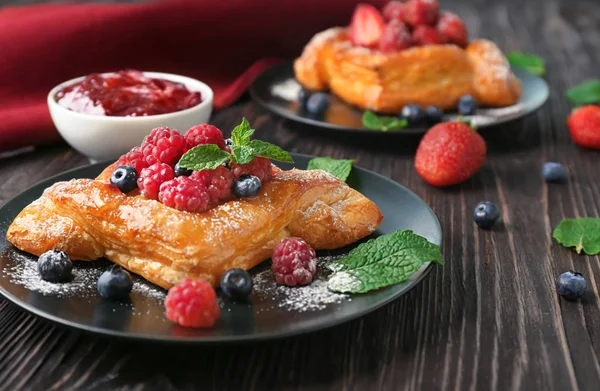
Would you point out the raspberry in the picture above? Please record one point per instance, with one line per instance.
(396, 37)
(427, 35)
(259, 167)
(294, 262)
(421, 12)
(163, 145)
(584, 126)
(453, 28)
(192, 303)
(394, 10)
(133, 158)
(152, 177)
(185, 194)
(203, 134)
(217, 182)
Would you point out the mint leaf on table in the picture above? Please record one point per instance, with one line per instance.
(271, 151)
(204, 157)
(339, 168)
(583, 233)
(585, 93)
(383, 261)
(241, 134)
(532, 63)
(373, 121)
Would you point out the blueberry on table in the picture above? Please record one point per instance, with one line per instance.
(434, 115)
(467, 105)
(553, 172)
(180, 171)
(237, 284)
(303, 96)
(413, 114)
(486, 214)
(125, 178)
(55, 266)
(246, 186)
(571, 285)
(317, 103)
(115, 283)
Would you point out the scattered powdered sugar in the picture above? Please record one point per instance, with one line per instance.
(287, 90)
(149, 290)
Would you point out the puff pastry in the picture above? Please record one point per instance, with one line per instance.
(434, 75)
(90, 219)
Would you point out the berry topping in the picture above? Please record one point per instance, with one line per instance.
(453, 28)
(584, 126)
(217, 182)
(115, 283)
(553, 172)
(228, 143)
(134, 158)
(237, 284)
(396, 37)
(180, 171)
(260, 167)
(449, 153)
(152, 177)
(317, 103)
(183, 193)
(125, 178)
(434, 115)
(414, 114)
(421, 12)
(192, 303)
(467, 105)
(246, 186)
(303, 96)
(203, 134)
(427, 35)
(366, 26)
(394, 10)
(571, 285)
(486, 214)
(55, 266)
(163, 145)
(294, 262)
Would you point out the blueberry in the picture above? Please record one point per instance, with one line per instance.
(414, 114)
(467, 105)
(317, 103)
(237, 284)
(486, 214)
(246, 186)
(115, 283)
(228, 142)
(434, 115)
(55, 266)
(125, 177)
(180, 171)
(554, 172)
(303, 96)
(571, 285)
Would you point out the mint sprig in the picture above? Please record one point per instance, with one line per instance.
(204, 157)
(241, 134)
(530, 62)
(383, 261)
(339, 168)
(585, 93)
(583, 233)
(373, 121)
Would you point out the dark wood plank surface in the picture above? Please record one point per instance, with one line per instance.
(489, 320)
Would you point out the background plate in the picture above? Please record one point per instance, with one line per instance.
(276, 89)
(269, 313)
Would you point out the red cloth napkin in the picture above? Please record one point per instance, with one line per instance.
(224, 43)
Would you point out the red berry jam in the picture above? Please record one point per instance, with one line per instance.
(126, 93)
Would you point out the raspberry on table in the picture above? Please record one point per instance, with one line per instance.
(203, 134)
(453, 28)
(294, 262)
(134, 158)
(163, 145)
(427, 35)
(185, 194)
(260, 167)
(192, 303)
(152, 177)
(217, 182)
(421, 12)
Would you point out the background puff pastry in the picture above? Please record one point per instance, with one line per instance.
(90, 219)
(433, 75)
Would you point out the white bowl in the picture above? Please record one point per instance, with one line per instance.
(103, 137)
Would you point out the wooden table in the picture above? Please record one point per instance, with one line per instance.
(489, 320)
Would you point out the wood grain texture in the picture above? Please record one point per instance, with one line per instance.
(488, 320)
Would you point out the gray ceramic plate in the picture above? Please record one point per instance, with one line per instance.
(271, 312)
(276, 90)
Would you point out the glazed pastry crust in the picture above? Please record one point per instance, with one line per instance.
(90, 219)
(434, 75)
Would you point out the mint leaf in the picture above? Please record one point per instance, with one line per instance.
(532, 63)
(338, 167)
(242, 154)
(386, 260)
(582, 233)
(585, 93)
(371, 120)
(204, 157)
(241, 133)
(270, 151)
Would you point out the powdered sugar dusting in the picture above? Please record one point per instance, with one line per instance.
(287, 90)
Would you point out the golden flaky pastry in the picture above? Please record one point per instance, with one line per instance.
(434, 75)
(90, 219)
